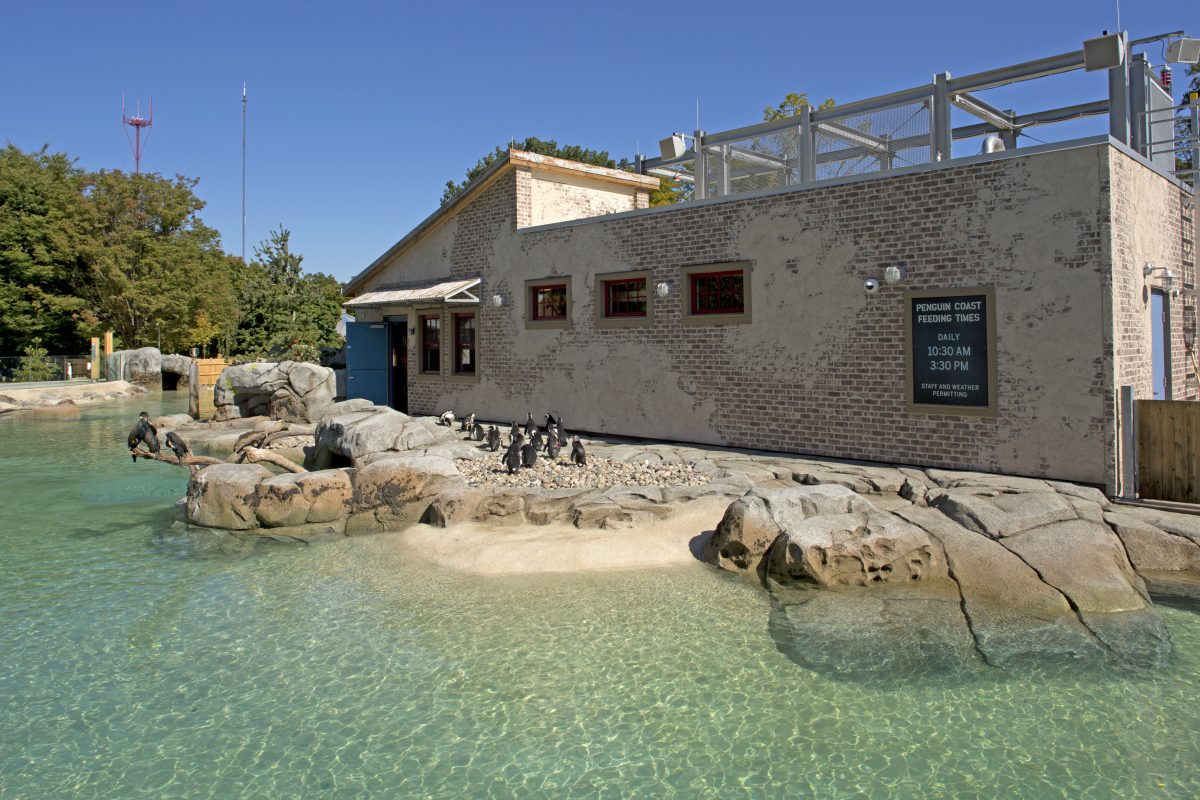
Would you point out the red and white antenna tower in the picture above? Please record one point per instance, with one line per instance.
(137, 122)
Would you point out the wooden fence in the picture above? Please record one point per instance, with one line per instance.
(1168, 450)
(205, 372)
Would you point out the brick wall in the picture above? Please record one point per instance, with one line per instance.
(821, 368)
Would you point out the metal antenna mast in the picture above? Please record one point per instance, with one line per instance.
(243, 172)
(137, 122)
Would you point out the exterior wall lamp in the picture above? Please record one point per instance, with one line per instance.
(662, 288)
(1164, 273)
(497, 300)
(895, 274)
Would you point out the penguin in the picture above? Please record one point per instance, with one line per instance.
(530, 426)
(578, 456)
(536, 441)
(552, 448)
(468, 423)
(514, 432)
(143, 431)
(493, 438)
(477, 432)
(512, 456)
(447, 419)
(528, 455)
(178, 446)
(562, 432)
(550, 420)
(150, 437)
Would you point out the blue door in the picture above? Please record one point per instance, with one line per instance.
(1160, 338)
(367, 361)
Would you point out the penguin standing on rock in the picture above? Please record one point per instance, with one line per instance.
(514, 432)
(468, 423)
(552, 448)
(528, 454)
(447, 419)
(578, 456)
(530, 426)
(477, 432)
(493, 438)
(536, 441)
(512, 456)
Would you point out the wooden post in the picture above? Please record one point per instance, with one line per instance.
(108, 351)
(95, 365)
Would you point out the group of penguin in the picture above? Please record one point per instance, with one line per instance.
(523, 445)
(144, 432)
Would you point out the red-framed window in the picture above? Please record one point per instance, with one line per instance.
(464, 344)
(625, 298)
(431, 343)
(718, 292)
(548, 302)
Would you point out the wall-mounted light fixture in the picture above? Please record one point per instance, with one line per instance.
(497, 300)
(662, 288)
(895, 274)
(1164, 274)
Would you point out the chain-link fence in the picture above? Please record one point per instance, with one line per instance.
(33, 369)
(874, 141)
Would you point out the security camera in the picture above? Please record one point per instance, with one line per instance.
(870, 286)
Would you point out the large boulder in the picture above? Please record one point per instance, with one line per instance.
(1002, 511)
(360, 433)
(398, 490)
(305, 497)
(226, 496)
(180, 366)
(142, 366)
(288, 390)
(1164, 548)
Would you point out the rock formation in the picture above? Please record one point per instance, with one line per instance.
(293, 391)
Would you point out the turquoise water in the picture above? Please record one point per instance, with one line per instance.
(139, 660)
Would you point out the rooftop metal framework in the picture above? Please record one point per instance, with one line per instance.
(913, 126)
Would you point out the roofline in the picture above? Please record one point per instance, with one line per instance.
(510, 159)
(426, 225)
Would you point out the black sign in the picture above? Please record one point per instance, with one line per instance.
(950, 350)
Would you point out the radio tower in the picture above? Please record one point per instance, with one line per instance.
(137, 122)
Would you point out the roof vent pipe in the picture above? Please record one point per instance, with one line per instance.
(992, 144)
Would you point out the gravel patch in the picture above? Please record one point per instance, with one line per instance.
(600, 473)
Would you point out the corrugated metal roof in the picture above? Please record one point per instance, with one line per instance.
(427, 291)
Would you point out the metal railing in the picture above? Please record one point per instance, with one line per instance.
(32, 369)
(901, 129)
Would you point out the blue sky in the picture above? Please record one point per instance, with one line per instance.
(360, 112)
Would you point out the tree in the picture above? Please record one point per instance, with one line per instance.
(530, 144)
(1183, 128)
(41, 215)
(151, 268)
(283, 312)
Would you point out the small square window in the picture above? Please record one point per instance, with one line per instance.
(625, 298)
(717, 294)
(548, 303)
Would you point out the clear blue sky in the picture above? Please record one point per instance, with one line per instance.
(359, 112)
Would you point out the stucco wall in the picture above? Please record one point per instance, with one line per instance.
(821, 368)
(558, 196)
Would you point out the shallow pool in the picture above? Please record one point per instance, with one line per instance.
(137, 659)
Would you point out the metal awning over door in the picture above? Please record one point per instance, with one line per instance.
(438, 291)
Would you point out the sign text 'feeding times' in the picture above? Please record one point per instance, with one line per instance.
(950, 358)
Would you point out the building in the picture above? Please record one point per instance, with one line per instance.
(976, 312)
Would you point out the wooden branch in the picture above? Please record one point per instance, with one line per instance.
(169, 458)
(255, 455)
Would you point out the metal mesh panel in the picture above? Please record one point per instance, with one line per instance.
(878, 140)
(768, 161)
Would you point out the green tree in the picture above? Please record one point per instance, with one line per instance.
(153, 269)
(41, 232)
(284, 313)
(35, 364)
(530, 144)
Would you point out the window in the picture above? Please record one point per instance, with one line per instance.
(716, 294)
(464, 344)
(625, 298)
(431, 350)
(548, 302)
